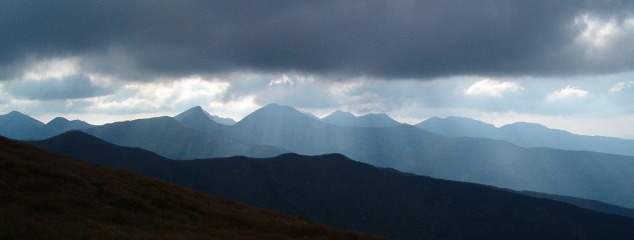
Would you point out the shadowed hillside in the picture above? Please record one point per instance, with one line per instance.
(46, 196)
(337, 191)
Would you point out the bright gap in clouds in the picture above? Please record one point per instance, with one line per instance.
(601, 32)
(491, 88)
(590, 106)
(568, 92)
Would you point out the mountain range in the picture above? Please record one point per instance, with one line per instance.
(527, 135)
(47, 196)
(337, 191)
(407, 148)
(169, 138)
(275, 129)
(16, 125)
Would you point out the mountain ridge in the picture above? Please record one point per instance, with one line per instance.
(48, 196)
(17, 125)
(527, 135)
(335, 190)
(199, 119)
(479, 160)
(167, 137)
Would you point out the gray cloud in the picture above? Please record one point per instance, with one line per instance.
(70, 87)
(381, 39)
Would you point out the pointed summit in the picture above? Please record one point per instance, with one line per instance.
(199, 112)
(196, 111)
(18, 126)
(199, 119)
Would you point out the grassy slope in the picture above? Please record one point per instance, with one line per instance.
(46, 196)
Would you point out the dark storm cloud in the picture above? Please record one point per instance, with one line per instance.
(384, 39)
(70, 87)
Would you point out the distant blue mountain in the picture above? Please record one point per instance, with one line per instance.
(407, 148)
(276, 129)
(222, 120)
(199, 113)
(22, 127)
(169, 138)
(16, 125)
(527, 135)
(369, 120)
(59, 125)
(199, 119)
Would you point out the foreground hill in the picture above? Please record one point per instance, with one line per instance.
(337, 191)
(169, 138)
(46, 196)
(406, 148)
(527, 135)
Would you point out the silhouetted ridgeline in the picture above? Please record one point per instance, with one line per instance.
(334, 190)
(46, 196)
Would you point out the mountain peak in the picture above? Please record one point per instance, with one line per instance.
(196, 111)
(58, 120)
(526, 125)
(339, 118)
(275, 108)
(17, 125)
(276, 113)
(369, 120)
(16, 114)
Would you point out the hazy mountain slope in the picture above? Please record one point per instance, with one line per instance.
(335, 190)
(585, 203)
(16, 125)
(57, 126)
(46, 196)
(369, 120)
(167, 137)
(605, 177)
(199, 119)
(459, 127)
(527, 135)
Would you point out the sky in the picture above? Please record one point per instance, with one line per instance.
(564, 64)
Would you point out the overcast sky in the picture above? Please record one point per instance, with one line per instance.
(565, 64)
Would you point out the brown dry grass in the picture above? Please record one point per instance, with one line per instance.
(46, 196)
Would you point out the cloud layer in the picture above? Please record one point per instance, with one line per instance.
(412, 59)
(139, 40)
